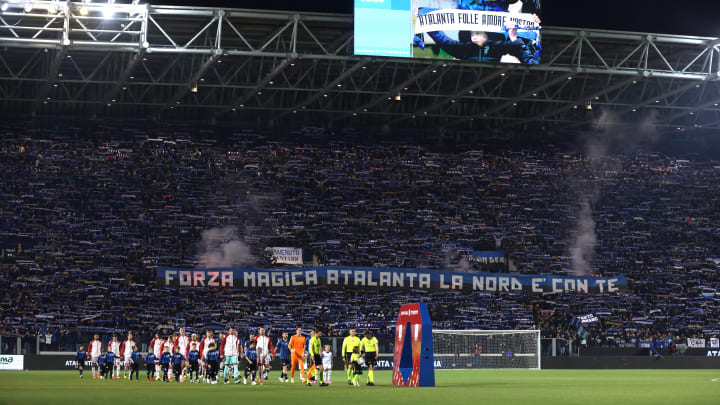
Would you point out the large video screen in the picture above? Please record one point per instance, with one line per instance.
(505, 31)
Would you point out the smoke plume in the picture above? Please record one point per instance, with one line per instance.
(463, 265)
(583, 247)
(221, 247)
(608, 135)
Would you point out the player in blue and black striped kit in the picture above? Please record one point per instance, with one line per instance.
(194, 360)
(80, 357)
(177, 363)
(283, 351)
(165, 360)
(213, 361)
(150, 361)
(109, 363)
(251, 358)
(101, 364)
(135, 360)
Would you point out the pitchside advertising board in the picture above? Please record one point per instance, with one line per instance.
(386, 361)
(11, 362)
(385, 278)
(495, 31)
(68, 362)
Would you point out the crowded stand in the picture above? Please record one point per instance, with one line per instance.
(86, 216)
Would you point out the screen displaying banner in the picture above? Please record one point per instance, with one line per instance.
(385, 278)
(11, 362)
(505, 31)
(286, 255)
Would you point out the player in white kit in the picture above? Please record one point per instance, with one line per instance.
(183, 342)
(114, 347)
(170, 345)
(157, 347)
(95, 349)
(264, 349)
(204, 348)
(126, 350)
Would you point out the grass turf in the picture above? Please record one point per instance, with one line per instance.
(453, 387)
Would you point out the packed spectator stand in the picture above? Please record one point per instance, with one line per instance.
(87, 215)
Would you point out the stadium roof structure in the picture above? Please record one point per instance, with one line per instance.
(298, 69)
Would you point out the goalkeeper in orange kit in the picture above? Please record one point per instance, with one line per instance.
(297, 355)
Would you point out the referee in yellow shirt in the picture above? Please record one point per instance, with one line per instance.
(349, 343)
(369, 348)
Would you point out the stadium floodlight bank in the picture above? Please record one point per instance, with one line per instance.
(487, 349)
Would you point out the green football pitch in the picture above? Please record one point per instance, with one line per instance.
(453, 387)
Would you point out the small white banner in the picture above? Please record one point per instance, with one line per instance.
(11, 362)
(714, 343)
(589, 318)
(696, 343)
(472, 20)
(286, 255)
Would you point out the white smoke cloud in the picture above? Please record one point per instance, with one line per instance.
(463, 265)
(583, 247)
(221, 247)
(606, 136)
(454, 262)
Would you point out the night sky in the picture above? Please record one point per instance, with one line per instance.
(687, 17)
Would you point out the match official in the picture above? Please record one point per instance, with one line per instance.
(369, 349)
(315, 351)
(349, 343)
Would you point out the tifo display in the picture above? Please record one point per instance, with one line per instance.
(92, 230)
(423, 202)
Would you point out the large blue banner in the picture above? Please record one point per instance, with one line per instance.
(386, 279)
